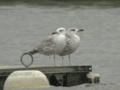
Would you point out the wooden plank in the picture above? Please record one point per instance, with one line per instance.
(49, 69)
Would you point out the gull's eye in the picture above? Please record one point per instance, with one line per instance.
(60, 30)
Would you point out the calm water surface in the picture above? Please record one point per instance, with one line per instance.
(24, 24)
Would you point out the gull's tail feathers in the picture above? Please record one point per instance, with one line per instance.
(34, 51)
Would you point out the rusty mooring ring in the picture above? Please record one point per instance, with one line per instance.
(21, 60)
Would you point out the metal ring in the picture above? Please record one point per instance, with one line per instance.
(21, 59)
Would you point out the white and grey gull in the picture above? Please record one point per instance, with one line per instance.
(72, 42)
(53, 45)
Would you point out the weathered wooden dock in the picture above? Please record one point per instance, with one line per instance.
(57, 75)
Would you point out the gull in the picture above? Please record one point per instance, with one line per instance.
(53, 45)
(72, 42)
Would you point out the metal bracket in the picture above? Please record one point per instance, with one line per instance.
(22, 62)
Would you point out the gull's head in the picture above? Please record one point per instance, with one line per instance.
(61, 30)
(75, 31)
(72, 30)
(79, 32)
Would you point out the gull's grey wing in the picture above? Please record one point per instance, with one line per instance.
(46, 47)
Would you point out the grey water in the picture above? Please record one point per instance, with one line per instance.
(23, 24)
